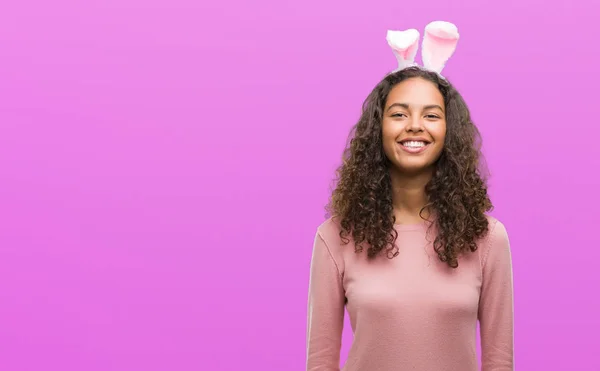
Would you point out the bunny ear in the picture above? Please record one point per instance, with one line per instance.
(404, 44)
(439, 43)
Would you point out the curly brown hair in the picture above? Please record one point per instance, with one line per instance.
(457, 193)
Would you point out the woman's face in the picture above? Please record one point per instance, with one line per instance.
(414, 125)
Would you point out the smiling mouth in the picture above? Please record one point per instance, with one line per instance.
(414, 144)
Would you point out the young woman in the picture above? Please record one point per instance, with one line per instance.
(409, 250)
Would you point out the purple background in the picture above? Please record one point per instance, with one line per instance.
(164, 165)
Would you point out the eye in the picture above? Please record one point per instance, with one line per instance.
(398, 115)
(432, 116)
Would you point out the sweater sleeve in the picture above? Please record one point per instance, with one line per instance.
(496, 303)
(326, 300)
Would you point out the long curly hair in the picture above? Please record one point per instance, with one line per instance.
(457, 193)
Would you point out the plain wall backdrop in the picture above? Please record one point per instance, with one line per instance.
(164, 165)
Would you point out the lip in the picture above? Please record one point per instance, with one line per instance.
(414, 150)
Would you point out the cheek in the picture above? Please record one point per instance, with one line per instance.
(440, 139)
(386, 131)
(438, 132)
(388, 137)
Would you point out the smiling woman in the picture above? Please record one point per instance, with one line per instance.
(414, 152)
(410, 192)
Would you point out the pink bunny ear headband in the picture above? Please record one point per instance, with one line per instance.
(439, 43)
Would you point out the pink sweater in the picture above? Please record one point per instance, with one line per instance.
(412, 312)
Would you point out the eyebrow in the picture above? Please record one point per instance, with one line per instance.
(406, 106)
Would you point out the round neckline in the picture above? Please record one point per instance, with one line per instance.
(410, 227)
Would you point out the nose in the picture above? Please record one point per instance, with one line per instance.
(415, 124)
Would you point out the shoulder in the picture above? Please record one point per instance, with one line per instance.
(495, 241)
(496, 229)
(329, 230)
(328, 233)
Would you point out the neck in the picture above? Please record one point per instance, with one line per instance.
(408, 195)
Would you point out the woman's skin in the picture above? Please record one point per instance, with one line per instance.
(413, 131)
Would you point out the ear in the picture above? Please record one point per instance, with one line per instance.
(439, 43)
(404, 44)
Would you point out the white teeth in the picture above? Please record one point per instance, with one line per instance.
(413, 144)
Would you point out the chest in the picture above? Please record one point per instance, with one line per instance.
(415, 281)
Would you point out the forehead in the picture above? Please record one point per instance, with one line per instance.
(415, 91)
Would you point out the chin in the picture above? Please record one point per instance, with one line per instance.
(413, 168)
